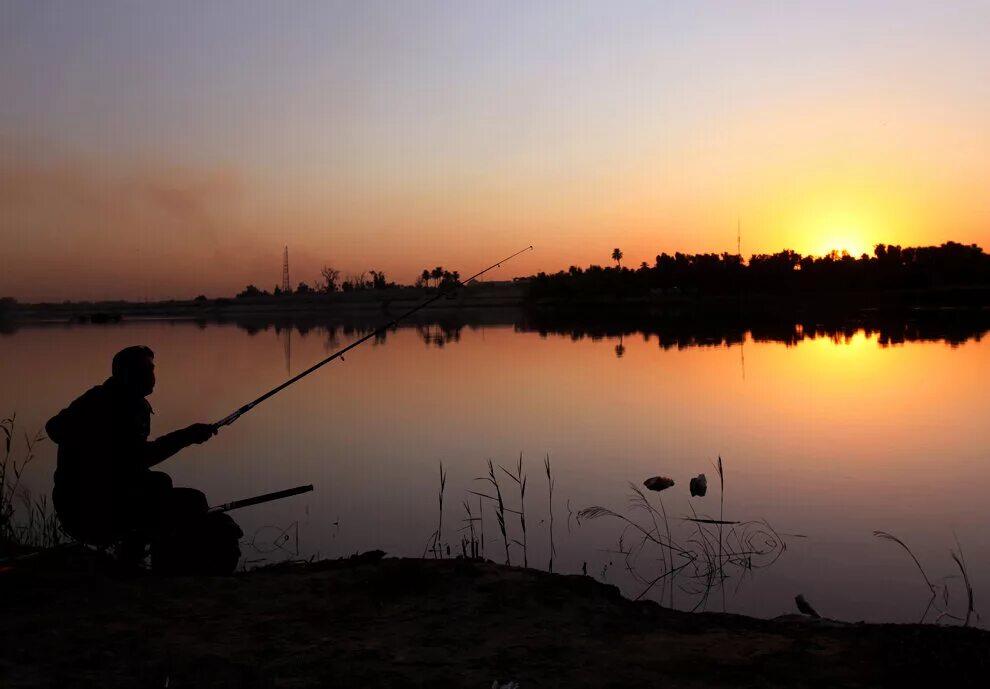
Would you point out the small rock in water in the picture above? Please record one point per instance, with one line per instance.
(658, 483)
(699, 486)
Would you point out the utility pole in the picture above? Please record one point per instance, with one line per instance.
(738, 239)
(286, 286)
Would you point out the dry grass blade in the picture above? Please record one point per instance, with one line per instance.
(931, 587)
(891, 537)
(597, 512)
(960, 561)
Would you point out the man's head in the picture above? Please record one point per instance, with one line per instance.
(134, 368)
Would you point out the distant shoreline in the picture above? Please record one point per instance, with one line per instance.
(395, 301)
(949, 315)
(398, 300)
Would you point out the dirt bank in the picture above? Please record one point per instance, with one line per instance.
(399, 623)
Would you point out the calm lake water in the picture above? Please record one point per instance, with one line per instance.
(827, 439)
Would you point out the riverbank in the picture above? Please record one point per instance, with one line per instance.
(503, 295)
(397, 622)
(394, 301)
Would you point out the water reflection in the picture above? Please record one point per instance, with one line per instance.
(677, 331)
(952, 327)
(831, 441)
(672, 329)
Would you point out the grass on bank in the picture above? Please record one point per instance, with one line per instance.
(939, 600)
(26, 522)
(706, 553)
(697, 556)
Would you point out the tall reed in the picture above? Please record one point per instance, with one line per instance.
(520, 479)
(500, 508)
(469, 549)
(550, 482)
(436, 538)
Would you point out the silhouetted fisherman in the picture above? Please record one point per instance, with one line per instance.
(105, 492)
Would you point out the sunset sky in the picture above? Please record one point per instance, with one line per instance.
(153, 149)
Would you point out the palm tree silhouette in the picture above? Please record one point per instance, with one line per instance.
(617, 256)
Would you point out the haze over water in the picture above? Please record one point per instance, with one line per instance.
(828, 439)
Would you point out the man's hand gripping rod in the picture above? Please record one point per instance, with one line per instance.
(227, 420)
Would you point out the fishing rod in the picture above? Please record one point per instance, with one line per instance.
(231, 418)
(258, 499)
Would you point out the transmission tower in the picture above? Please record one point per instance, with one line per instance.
(285, 271)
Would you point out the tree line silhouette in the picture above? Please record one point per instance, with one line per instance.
(330, 281)
(441, 278)
(891, 267)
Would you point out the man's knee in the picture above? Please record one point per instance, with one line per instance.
(208, 544)
(152, 488)
(188, 501)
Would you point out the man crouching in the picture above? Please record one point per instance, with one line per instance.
(105, 493)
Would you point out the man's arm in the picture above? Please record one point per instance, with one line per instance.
(158, 450)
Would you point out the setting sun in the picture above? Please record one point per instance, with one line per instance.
(854, 230)
(842, 240)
